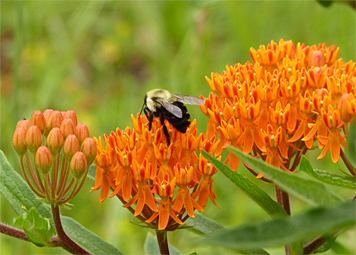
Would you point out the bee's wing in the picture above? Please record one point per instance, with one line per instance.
(189, 99)
(175, 110)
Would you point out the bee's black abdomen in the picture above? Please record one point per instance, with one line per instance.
(181, 124)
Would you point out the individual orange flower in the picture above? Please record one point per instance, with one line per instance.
(165, 189)
(184, 178)
(272, 140)
(332, 119)
(103, 171)
(144, 194)
(206, 189)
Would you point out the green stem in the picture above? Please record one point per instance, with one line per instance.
(162, 241)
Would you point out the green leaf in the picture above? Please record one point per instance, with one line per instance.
(248, 187)
(87, 239)
(151, 246)
(16, 191)
(91, 173)
(38, 229)
(207, 226)
(284, 230)
(310, 191)
(333, 179)
(21, 197)
(202, 224)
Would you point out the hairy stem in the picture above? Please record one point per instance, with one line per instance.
(20, 234)
(14, 232)
(63, 240)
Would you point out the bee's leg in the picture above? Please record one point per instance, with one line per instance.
(165, 130)
(150, 120)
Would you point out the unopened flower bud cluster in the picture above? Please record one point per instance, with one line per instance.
(51, 145)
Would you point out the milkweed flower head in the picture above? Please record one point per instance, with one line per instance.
(161, 185)
(276, 106)
(54, 158)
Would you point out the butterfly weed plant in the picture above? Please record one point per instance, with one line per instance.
(267, 113)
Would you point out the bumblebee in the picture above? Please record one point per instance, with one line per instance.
(162, 104)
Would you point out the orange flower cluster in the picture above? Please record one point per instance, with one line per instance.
(54, 145)
(276, 106)
(164, 182)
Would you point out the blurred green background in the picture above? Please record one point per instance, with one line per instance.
(99, 58)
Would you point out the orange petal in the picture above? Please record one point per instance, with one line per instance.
(154, 216)
(334, 147)
(249, 140)
(105, 188)
(163, 215)
(325, 150)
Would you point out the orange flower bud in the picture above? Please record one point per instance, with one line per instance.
(317, 59)
(55, 140)
(55, 120)
(70, 147)
(345, 115)
(43, 159)
(78, 164)
(82, 132)
(71, 114)
(18, 141)
(24, 124)
(33, 138)
(67, 127)
(38, 119)
(47, 113)
(89, 150)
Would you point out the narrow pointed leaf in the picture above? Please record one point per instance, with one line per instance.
(285, 230)
(310, 191)
(329, 178)
(206, 226)
(248, 187)
(21, 198)
(202, 224)
(87, 239)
